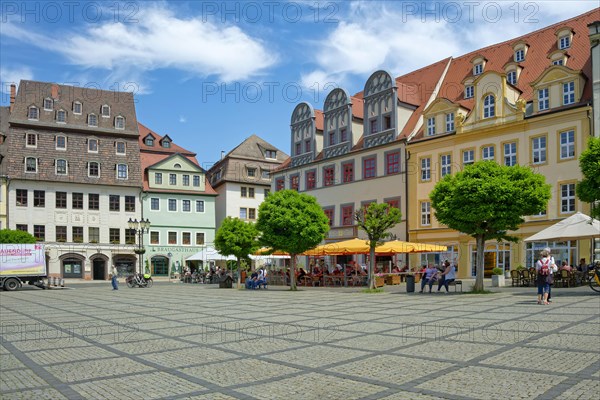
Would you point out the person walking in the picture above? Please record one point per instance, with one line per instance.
(115, 282)
(543, 268)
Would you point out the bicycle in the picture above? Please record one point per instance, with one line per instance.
(595, 280)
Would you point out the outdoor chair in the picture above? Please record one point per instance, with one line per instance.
(526, 278)
(516, 277)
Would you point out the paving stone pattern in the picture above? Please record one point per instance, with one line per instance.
(177, 341)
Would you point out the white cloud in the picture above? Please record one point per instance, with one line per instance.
(159, 40)
(182, 119)
(396, 37)
(9, 75)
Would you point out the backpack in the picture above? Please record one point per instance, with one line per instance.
(545, 269)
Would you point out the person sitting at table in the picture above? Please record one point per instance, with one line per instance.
(396, 270)
(565, 267)
(582, 267)
(301, 273)
(429, 277)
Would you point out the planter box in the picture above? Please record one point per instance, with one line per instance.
(392, 280)
(498, 281)
(379, 281)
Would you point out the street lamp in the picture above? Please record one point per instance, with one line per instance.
(140, 227)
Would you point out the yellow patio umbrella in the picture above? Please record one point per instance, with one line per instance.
(352, 246)
(268, 251)
(398, 246)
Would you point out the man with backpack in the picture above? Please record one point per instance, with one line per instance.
(545, 271)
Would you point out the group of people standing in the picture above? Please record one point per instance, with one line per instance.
(443, 276)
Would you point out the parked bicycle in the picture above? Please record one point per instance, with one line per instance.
(139, 280)
(595, 279)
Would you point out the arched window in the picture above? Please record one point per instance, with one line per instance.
(489, 106)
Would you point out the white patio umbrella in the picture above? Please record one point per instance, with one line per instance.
(577, 227)
(209, 253)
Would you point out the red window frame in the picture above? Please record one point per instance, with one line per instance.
(393, 203)
(311, 181)
(328, 176)
(347, 215)
(348, 172)
(329, 214)
(279, 184)
(392, 161)
(369, 165)
(295, 183)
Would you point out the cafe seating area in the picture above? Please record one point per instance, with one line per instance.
(562, 278)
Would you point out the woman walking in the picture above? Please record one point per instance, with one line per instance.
(544, 276)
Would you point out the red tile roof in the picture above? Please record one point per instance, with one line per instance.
(319, 120)
(144, 131)
(358, 109)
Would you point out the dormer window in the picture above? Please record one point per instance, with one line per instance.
(520, 55)
(92, 120)
(149, 141)
(61, 116)
(48, 103)
(489, 106)
(569, 93)
(564, 42)
(478, 69)
(469, 90)
(77, 107)
(450, 122)
(166, 144)
(431, 126)
(33, 113)
(543, 99)
(558, 62)
(511, 77)
(271, 154)
(119, 122)
(105, 111)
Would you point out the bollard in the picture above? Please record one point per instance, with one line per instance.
(62, 282)
(54, 281)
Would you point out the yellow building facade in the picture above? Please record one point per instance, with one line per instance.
(525, 102)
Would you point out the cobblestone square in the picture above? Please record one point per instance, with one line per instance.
(319, 343)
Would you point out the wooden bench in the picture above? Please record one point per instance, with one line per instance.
(455, 284)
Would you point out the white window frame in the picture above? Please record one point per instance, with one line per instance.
(48, 99)
(169, 205)
(245, 209)
(105, 106)
(158, 204)
(425, 213)
(172, 179)
(150, 238)
(511, 155)
(567, 146)
(520, 55)
(117, 148)
(469, 91)
(37, 113)
(66, 167)
(488, 153)
(203, 238)
(567, 199)
(426, 169)
(489, 106)
(36, 165)
(158, 175)
(31, 146)
(450, 122)
(126, 171)
(537, 149)
(176, 238)
(58, 112)
(56, 147)
(478, 69)
(90, 117)
(568, 93)
(198, 202)
(90, 167)
(190, 237)
(90, 140)
(430, 126)
(564, 42)
(445, 165)
(468, 157)
(77, 103)
(196, 179)
(185, 180)
(543, 99)
(511, 77)
(560, 61)
(119, 118)
(189, 203)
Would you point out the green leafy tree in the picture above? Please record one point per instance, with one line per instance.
(291, 222)
(486, 200)
(375, 220)
(236, 238)
(588, 189)
(10, 236)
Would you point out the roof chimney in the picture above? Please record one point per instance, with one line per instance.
(54, 94)
(222, 154)
(13, 95)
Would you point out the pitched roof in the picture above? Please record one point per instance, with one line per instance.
(540, 44)
(34, 93)
(145, 131)
(254, 147)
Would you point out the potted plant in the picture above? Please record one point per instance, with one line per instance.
(379, 280)
(498, 277)
(139, 251)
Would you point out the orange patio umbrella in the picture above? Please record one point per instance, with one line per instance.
(398, 246)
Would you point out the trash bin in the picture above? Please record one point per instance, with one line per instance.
(410, 283)
(226, 282)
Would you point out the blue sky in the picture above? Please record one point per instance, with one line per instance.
(211, 74)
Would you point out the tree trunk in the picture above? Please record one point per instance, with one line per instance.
(372, 268)
(239, 274)
(293, 272)
(480, 242)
